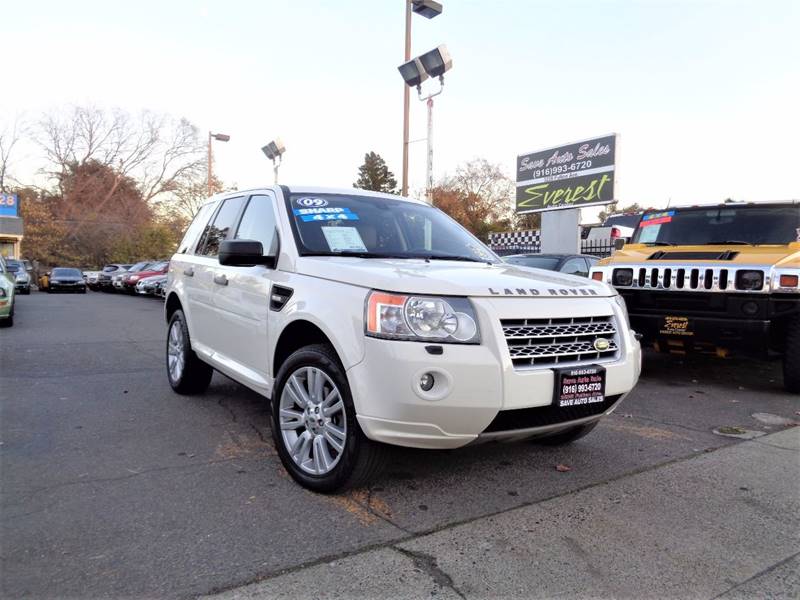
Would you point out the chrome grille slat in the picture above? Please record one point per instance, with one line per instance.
(544, 343)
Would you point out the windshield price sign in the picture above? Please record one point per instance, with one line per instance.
(568, 176)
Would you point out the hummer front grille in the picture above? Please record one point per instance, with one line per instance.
(561, 342)
(685, 278)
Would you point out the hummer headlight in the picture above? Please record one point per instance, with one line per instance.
(421, 318)
(749, 280)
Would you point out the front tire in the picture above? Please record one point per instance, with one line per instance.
(187, 374)
(314, 424)
(791, 357)
(567, 437)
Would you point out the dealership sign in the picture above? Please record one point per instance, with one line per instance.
(568, 176)
(9, 204)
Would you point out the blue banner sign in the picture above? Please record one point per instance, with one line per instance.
(9, 204)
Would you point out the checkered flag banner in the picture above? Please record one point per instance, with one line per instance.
(507, 240)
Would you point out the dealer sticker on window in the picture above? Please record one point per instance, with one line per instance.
(343, 239)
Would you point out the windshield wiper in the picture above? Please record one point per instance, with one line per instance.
(660, 243)
(732, 242)
(357, 254)
(449, 257)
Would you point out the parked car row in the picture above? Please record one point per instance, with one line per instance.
(146, 278)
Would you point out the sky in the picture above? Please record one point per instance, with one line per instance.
(704, 95)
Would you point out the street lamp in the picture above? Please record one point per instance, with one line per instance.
(428, 9)
(220, 137)
(434, 63)
(274, 151)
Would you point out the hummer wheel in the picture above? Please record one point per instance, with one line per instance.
(791, 356)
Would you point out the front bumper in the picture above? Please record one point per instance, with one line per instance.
(67, 287)
(474, 383)
(704, 322)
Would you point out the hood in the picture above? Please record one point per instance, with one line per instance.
(449, 278)
(786, 255)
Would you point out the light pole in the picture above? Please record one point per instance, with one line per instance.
(434, 64)
(220, 137)
(274, 151)
(428, 9)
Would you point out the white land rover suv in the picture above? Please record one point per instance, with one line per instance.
(370, 319)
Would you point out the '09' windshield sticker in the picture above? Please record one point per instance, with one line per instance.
(311, 202)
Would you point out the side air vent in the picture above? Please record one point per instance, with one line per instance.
(279, 296)
(665, 255)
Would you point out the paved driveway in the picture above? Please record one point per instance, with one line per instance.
(111, 485)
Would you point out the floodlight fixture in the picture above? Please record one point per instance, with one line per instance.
(413, 72)
(437, 61)
(426, 8)
(274, 149)
(220, 137)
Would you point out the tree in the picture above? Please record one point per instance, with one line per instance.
(613, 208)
(9, 137)
(375, 175)
(479, 196)
(155, 150)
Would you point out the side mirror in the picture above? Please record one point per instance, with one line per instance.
(619, 243)
(243, 253)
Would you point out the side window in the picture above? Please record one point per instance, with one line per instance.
(195, 228)
(258, 223)
(575, 266)
(218, 230)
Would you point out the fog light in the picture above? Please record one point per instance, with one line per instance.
(789, 281)
(426, 382)
(750, 308)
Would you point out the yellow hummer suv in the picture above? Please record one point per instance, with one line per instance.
(720, 279)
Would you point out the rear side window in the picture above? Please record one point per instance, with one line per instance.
(218, 230)
(258, 223)
(195, 228)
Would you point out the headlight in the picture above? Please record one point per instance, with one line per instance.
(622, 277)
(133, 278)
(421, 318)
(621, 303)
(749, 280)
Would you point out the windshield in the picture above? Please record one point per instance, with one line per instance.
(538, 262)
(622, 221)
(158, 266)
(374, 227)
(12, 268)
(62, 272)
(720, 225)
(140, 266)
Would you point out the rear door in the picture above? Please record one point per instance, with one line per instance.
(241, 294)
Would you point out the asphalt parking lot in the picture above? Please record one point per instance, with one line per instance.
(111, 485)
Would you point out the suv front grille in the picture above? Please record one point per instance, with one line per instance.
(560, 342)
(687, 278)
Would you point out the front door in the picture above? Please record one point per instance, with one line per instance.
(241, 295)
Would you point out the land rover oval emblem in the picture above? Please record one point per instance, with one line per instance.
(601, 344)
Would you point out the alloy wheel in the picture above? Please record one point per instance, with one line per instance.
(175, 351)
(312, 420)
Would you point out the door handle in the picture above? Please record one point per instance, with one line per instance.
(189, 272)
(220, 279)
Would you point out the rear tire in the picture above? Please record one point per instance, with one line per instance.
(791, 357)
(187, 374)
(566, 437)
(321, 446)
